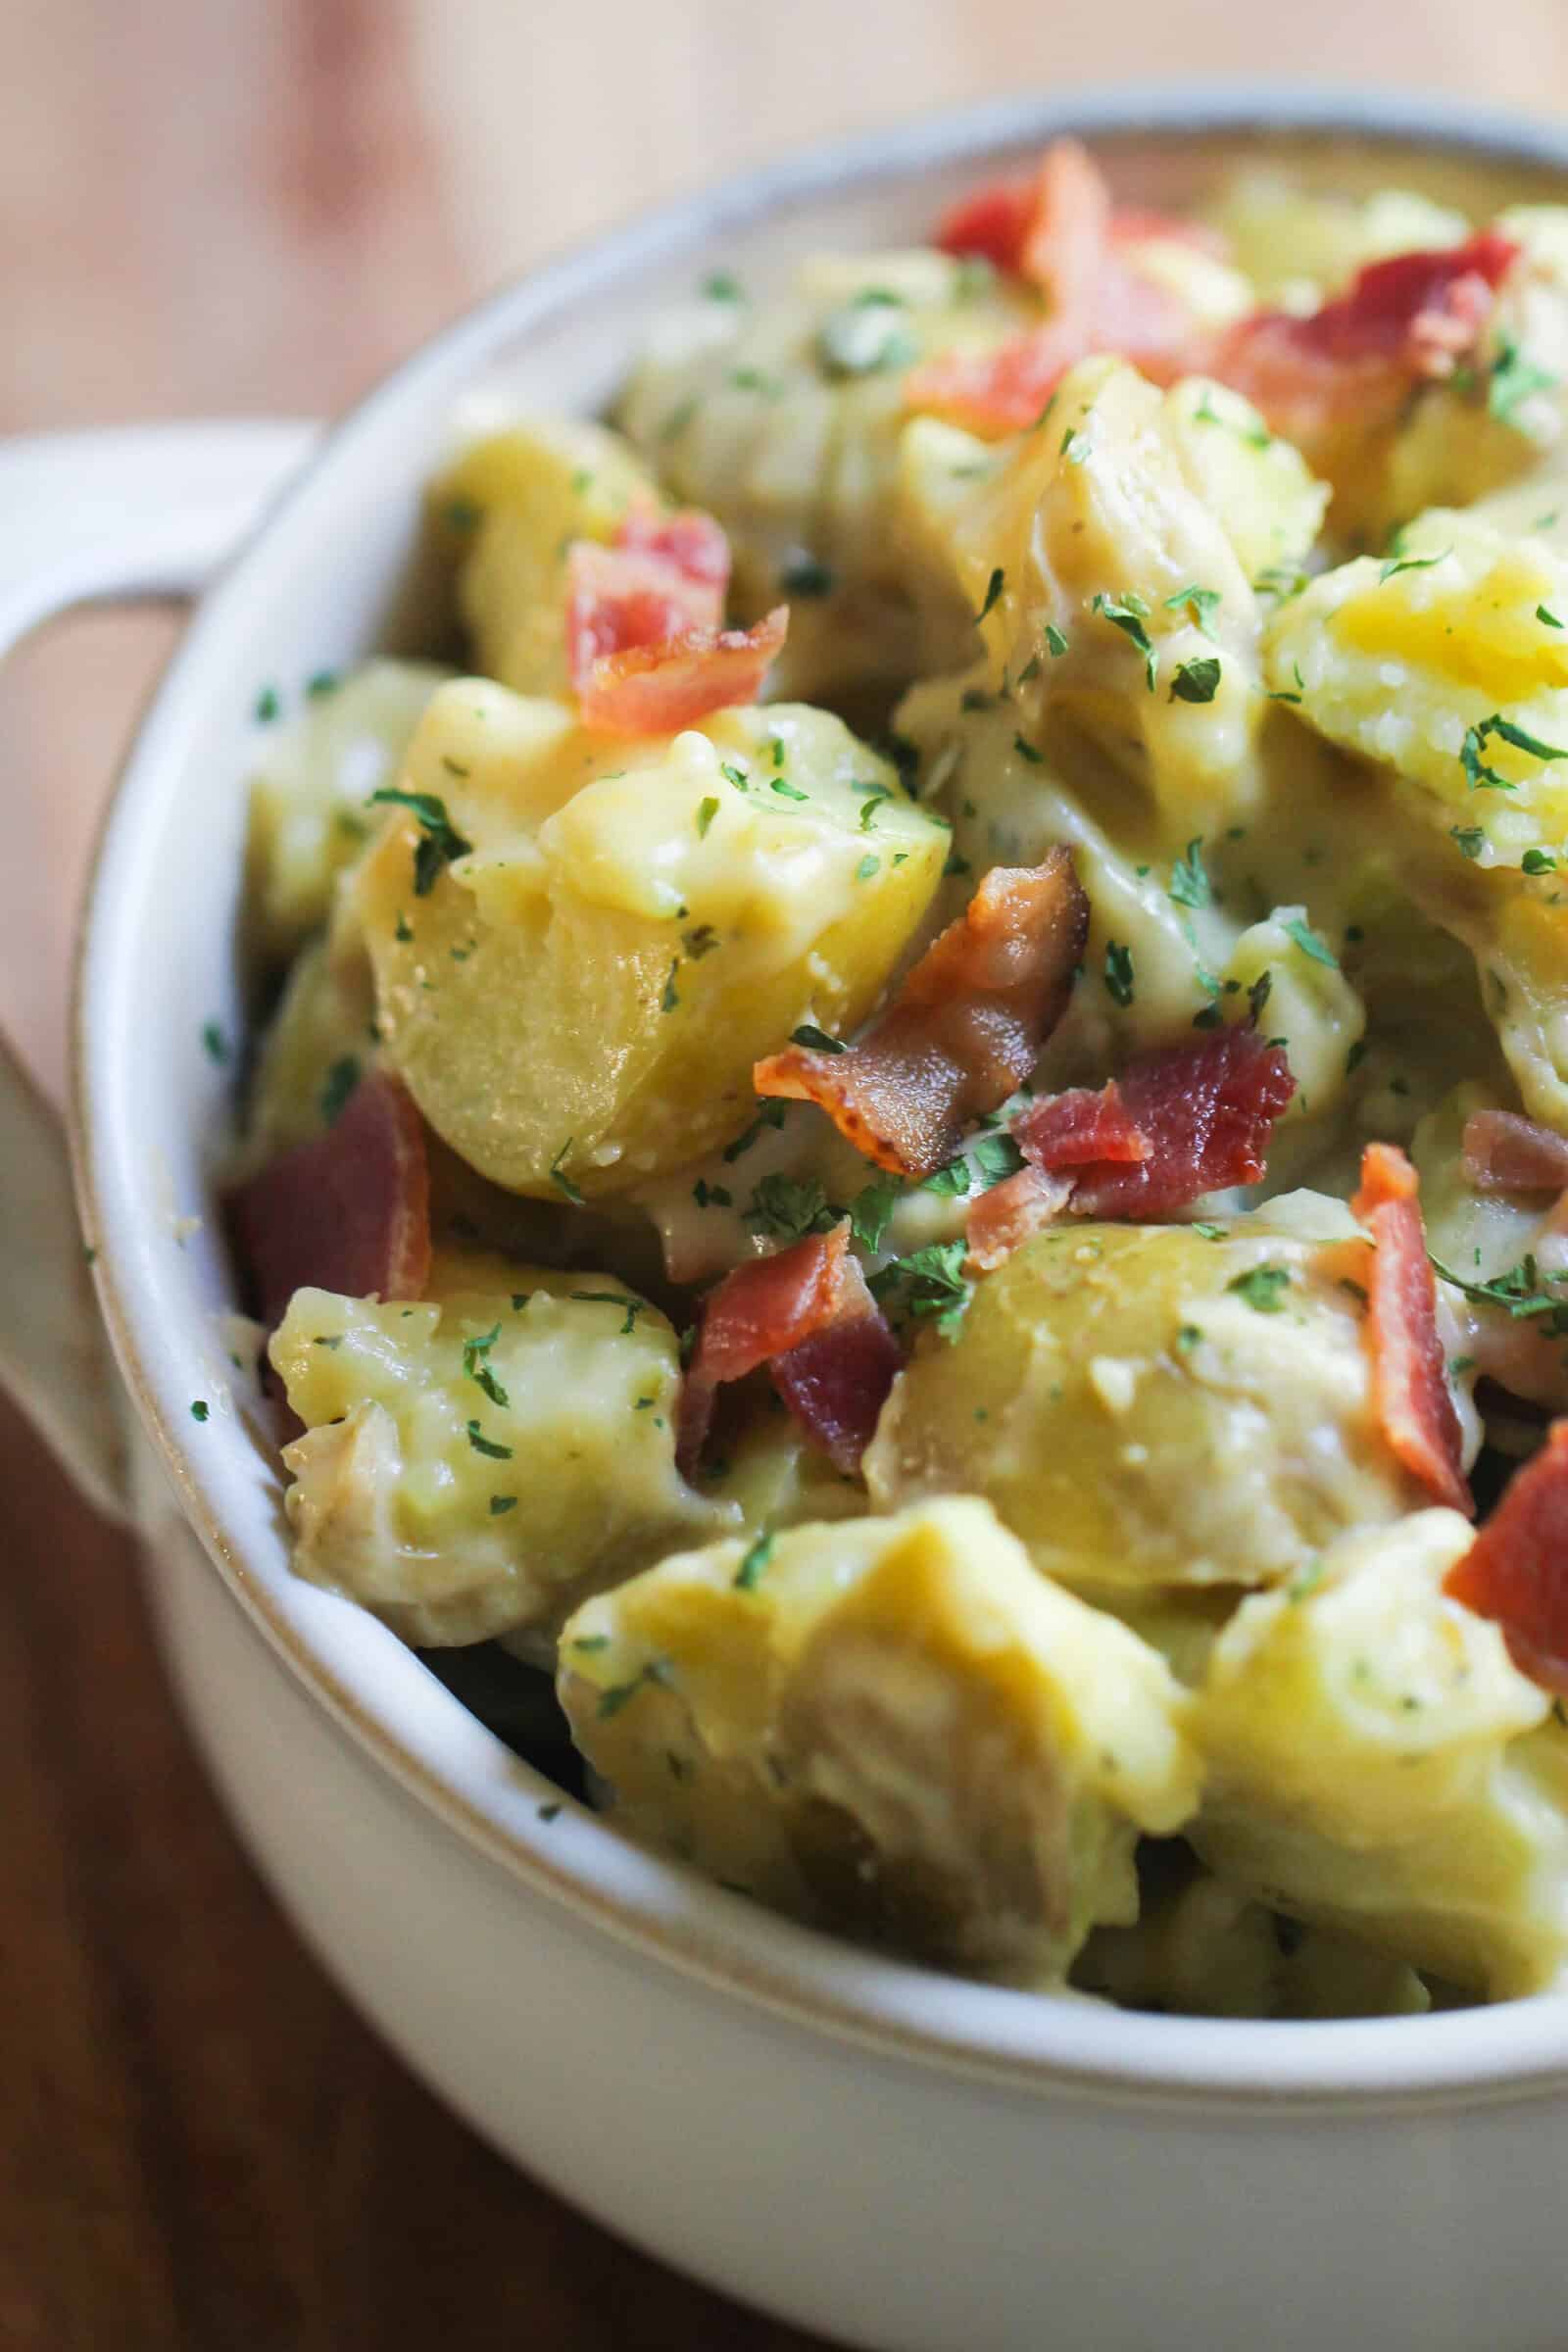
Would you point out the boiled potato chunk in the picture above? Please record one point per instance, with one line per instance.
(1144, 1405)
(1378, 1764)
(308, 789)
(1297, 247)
(785, 421)
(578, 1000)
(895, 1725)
(476, 1462)
(1423, 668)
(510, 506)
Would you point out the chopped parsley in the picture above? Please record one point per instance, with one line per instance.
(994, 587)
(321, 681)
(712, 1195)
(867, 337)
(929, 1284)
(669, 1000)
(1547, 618)
(1076, 446)
(734, 775)
(867, 866)
(200, 1410)
(679, 417)
(1119, 978)
(1513, 380)
(1262, 1288)
(486, 1446)
(1537, 862)
(790, 1207)
(1198, 603)
(786, 790)
(996, 1156)
(1520, 1293)
(1187, 1339)
(953, 1180)
(1309, 943)
(1026, 751)
(706, 813)
(721, 286)
(1399, 563)
(502, 1503)
(402, 930)
(215, 1043)
(1056, 641)
(475, 1351)
(1472, 839)
(1482, 777)
(1129, 614)
(754, 1567)
(1195, 681)
(633, 1306)
(870, 805)
(871, 1210)
(562, 1183)
(772, 1114)
(1189, 885)
(268, 705)
(440, 842)
(815, 1040)
(339, 1084)
(803, 576)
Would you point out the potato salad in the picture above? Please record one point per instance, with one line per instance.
(908, 1144)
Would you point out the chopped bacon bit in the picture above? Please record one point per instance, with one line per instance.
(992, 223)
(963, 1032)
(1351, 364)
(657, 689)
(1204, 1112)
(1409, 1381)
(1070, 243)
(1072, 1129)
(1506, 1153)
(807, 1312)
(617, 600)
(690, 540)
(1139, 225)
(347, 1211)
(1516, 1571)
(1012, 1213)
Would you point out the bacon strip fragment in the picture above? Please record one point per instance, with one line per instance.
(1203, 1113)
(1516, 1571)
(1012, 1213)
(1506, 1153)
(965, 1029)
(808, 1314)
(1003, 217)
(1351, 364)
(659, 689)
(1067, 239)
(1410, 1391)
(347, 1211)
(617, 600)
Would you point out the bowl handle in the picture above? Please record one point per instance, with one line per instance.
(148, 511)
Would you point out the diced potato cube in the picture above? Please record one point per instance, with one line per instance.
(308, 820)
(578, 1000)
(1144, 1405)
(1378, 1763)
(892, 1723)
(479, 1461)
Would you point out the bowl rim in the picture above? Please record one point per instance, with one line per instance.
(1027, 2045)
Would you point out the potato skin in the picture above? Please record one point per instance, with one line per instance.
(582, 996)
(1135, 1421)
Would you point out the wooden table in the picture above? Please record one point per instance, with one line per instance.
(242, 205)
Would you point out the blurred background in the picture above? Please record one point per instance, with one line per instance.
(246, 207)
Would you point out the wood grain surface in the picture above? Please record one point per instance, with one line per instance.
(236, 207)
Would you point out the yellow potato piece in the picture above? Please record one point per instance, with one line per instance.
(893, 1724)
(457, 1513)
(314, 774)
(509, 507)
(578, 1000)
(1143, 1406)
(1378, 1764)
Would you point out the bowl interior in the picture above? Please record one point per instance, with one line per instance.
(336, 573)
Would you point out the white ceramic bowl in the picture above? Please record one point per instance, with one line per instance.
(893, 2157)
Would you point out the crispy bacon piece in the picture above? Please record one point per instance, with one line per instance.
(1073, 1129)
(657, 689)
(808, 1314)
(1409, 1381)
(617, 600)
(1351, 364)
(1506, 1153)
(690, 540)
(1068, 242)
(1012, 1213)
(348, 1211)
(995, 222)
(963, 1030)
(1203, 1113)
(1516, 1571)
